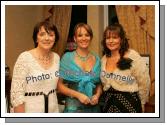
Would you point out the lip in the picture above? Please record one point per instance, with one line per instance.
(47, 43)
(84, 43)
(112, 44)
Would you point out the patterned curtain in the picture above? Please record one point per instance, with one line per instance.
(60, 15)
(139, 24)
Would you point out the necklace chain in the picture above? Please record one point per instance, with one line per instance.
(44, 59)
(81, 57)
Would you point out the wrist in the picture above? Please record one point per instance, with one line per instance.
(78, 95)
(97, 95)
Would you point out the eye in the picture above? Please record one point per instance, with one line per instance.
(87, 35)
(42, 34)
(79, 35)
(115, 37)
(51, 35)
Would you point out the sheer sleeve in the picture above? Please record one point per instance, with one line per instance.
(141, 73)
(19, 81)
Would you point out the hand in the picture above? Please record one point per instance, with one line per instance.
(83, 99)
(94, 100)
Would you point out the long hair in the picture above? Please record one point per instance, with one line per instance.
(116, 28)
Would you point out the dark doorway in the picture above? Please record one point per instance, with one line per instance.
(112, 15)
(79, 14)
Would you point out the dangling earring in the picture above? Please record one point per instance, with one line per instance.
(75, 45)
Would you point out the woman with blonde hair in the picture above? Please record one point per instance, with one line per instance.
(80, 70)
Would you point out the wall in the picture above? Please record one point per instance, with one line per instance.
(19, 23)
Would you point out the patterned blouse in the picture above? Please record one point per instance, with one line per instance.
(135, 79)
(33, 85)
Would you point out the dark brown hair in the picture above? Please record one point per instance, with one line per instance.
(117, 29)
(48, 26)
(86, 26)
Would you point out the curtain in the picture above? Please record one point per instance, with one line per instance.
(139, 24)
(60, 15)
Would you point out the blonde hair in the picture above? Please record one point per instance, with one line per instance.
(86, 26)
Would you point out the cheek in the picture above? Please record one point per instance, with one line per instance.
(52, 39)
(119, 44)
(89, 39)
(39, 39)
(107, 45)
(78, 40)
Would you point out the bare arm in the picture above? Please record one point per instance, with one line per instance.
(20, 108)
(98, 90)
(72, 93)
(96, 96)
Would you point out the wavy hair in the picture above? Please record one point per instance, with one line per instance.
(116, 28)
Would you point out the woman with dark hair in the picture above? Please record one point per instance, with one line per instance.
(80, 70)
(124, 74)
(34, 82)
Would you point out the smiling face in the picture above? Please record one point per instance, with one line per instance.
(113, 41)
(82, 38)
(45, 39)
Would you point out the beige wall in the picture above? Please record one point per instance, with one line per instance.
(95, 19)
(19, 23)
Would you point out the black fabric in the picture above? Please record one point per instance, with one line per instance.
(121, 102)
(46, 103)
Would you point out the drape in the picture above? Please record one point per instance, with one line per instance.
(60, 15)
(139, 24)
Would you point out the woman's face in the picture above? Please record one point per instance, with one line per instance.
(113, 41)
(45, 40)
(82, 38)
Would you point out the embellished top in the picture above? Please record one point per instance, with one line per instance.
(70, 71)
(31, 82)
(79, 80)
(134, 79)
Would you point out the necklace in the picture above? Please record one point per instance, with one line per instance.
(81, 57)
(44, 59)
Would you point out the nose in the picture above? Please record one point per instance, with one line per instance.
(84, 38)
(47, 36)
(111, 40)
